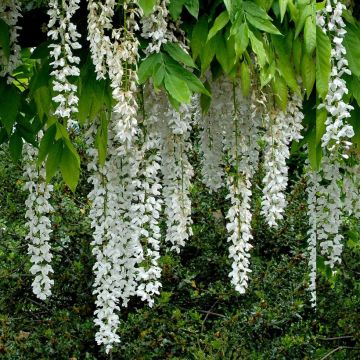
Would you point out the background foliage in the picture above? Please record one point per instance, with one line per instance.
(198, 314)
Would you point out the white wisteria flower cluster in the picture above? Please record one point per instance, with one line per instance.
(282, 128)
(338, 131)
(65, 64)
(146, 210)
(177, 173)
(10, 11)
(211, 127)
(242, 135)
(155, 27)
(115, 244)
(115, 54)
(313, 181)
(38, 210)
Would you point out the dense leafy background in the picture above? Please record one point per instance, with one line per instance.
(198, 314)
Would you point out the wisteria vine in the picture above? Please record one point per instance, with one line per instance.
(146, 172)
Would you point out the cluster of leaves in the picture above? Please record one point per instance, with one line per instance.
(267, 43)
(198, 314)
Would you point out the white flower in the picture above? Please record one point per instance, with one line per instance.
(65, 63)
(38, 223)
(282, 128)
(10, 13)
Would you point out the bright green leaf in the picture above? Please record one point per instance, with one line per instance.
(177, 88)
(70, 167)
(219, 23)
(147, 6)
(178, 54)
(323, 62)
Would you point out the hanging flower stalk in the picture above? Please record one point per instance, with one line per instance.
(65, 64)
(212, 138)
(38, 209)
(177, 173)
(282, 129)
(242, 148)
(155, 27)
(10, 11)
(337, 130)
(313, 181)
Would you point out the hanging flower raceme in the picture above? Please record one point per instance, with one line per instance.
(313, 183)
(173, 130)
(38, 223)
(338, 131)
(335, 141)
(145, 215)
(212, 137)
(282, 128)
(329, 212)
(351, 190)
(241, 146)
(100, 27)
(65, 64)
(155, 27)
(115, 54)
(10, 11)
(115, 245)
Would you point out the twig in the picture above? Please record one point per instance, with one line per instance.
(337, 349)
(211, 313)
(337, 338)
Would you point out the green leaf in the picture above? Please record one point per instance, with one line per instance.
(46, 143)
(147, 6)
(307, 11)
(225, 54)
(310, 34)
(267, 73)
(233, 7)
(192, 7)
(284, 63)
(245, 79)
(177, 88)
(297, 54)
(15, 146)
(241, 39)
(147, 67)
(192, 81)
(42, 51)
(355, 123)
(53, 160)
(354, 87)
(40, 90)
(208, 53)
(352, 45)
(159, 75)
(205, 100)
(219, 23)
(283, 5)
(323, 62)
(178, 54)
(258, 48)
(199, 36)
(262, 24)
(308, 72)
(280, 92)
(4, 38)
(10, 98)
(94, 95)
(175, 8)
(255, 10)
(70, 167)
